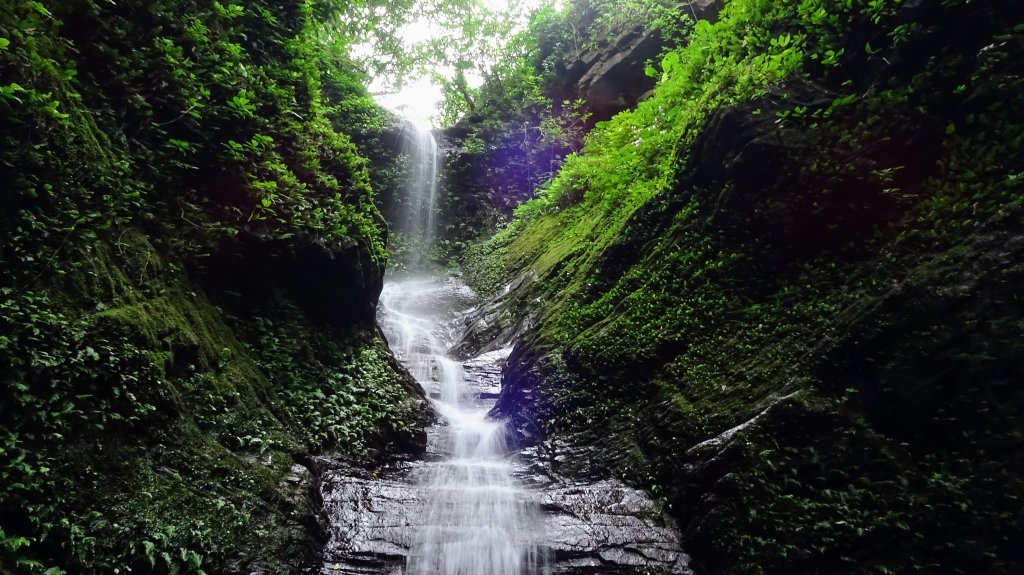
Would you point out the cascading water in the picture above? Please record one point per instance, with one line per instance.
(416, 218)
(478, 519)
(464, 509)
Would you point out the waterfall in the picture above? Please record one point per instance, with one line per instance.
(479, 520)
(416, 217)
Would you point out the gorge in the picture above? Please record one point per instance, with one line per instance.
(474, 503)
(711, 287)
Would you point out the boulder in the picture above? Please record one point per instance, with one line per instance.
(612, 77)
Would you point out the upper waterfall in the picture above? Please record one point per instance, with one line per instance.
(417, 213)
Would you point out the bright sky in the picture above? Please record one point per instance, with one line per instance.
(419, 100)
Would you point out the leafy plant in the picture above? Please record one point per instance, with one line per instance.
(241, 105)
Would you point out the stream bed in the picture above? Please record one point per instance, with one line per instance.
(473, 506)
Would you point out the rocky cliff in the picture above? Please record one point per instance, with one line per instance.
(780, 292)
(588, 63)
(607, 69)
(191, 257)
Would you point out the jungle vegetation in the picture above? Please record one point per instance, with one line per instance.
(810, 224)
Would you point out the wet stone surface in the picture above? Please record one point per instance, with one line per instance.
(595, 527)
(601, 527)
(372, 518)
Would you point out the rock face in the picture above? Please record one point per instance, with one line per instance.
(371, 517)
(606, 527)
(495, 323)
(337, 284)
(592, 528)
(590, 524)
(614, 78)
(611, 77)
(808, 340)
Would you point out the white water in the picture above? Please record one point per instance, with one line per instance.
(479, 521)
(417, 217)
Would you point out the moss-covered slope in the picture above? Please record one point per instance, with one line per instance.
(190, 261)
(782, 293)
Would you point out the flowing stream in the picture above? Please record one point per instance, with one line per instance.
(478, 520)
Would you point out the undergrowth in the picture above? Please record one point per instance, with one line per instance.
(139, 431)
(809, 218)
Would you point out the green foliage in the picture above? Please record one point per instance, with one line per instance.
(465, 36)
(333, 396)
(796, 208)
(511, 136)
(581, 26)
(631, 158)
(214, 85)
(241, 106)
(137, 139)
(230, 12)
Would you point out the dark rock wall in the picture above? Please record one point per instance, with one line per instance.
(809, 344)
(337, 284)
(610, 77)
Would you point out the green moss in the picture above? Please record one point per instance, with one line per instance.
(836, 275)
(186, 496)
(139, 427)
(147, 428)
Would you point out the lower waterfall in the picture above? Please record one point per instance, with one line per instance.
(479, 520)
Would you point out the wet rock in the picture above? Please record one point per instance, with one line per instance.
(593, 527)
(518, 399)
(483, 373)
(493, 324)
(606, 527)
(372, 517)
